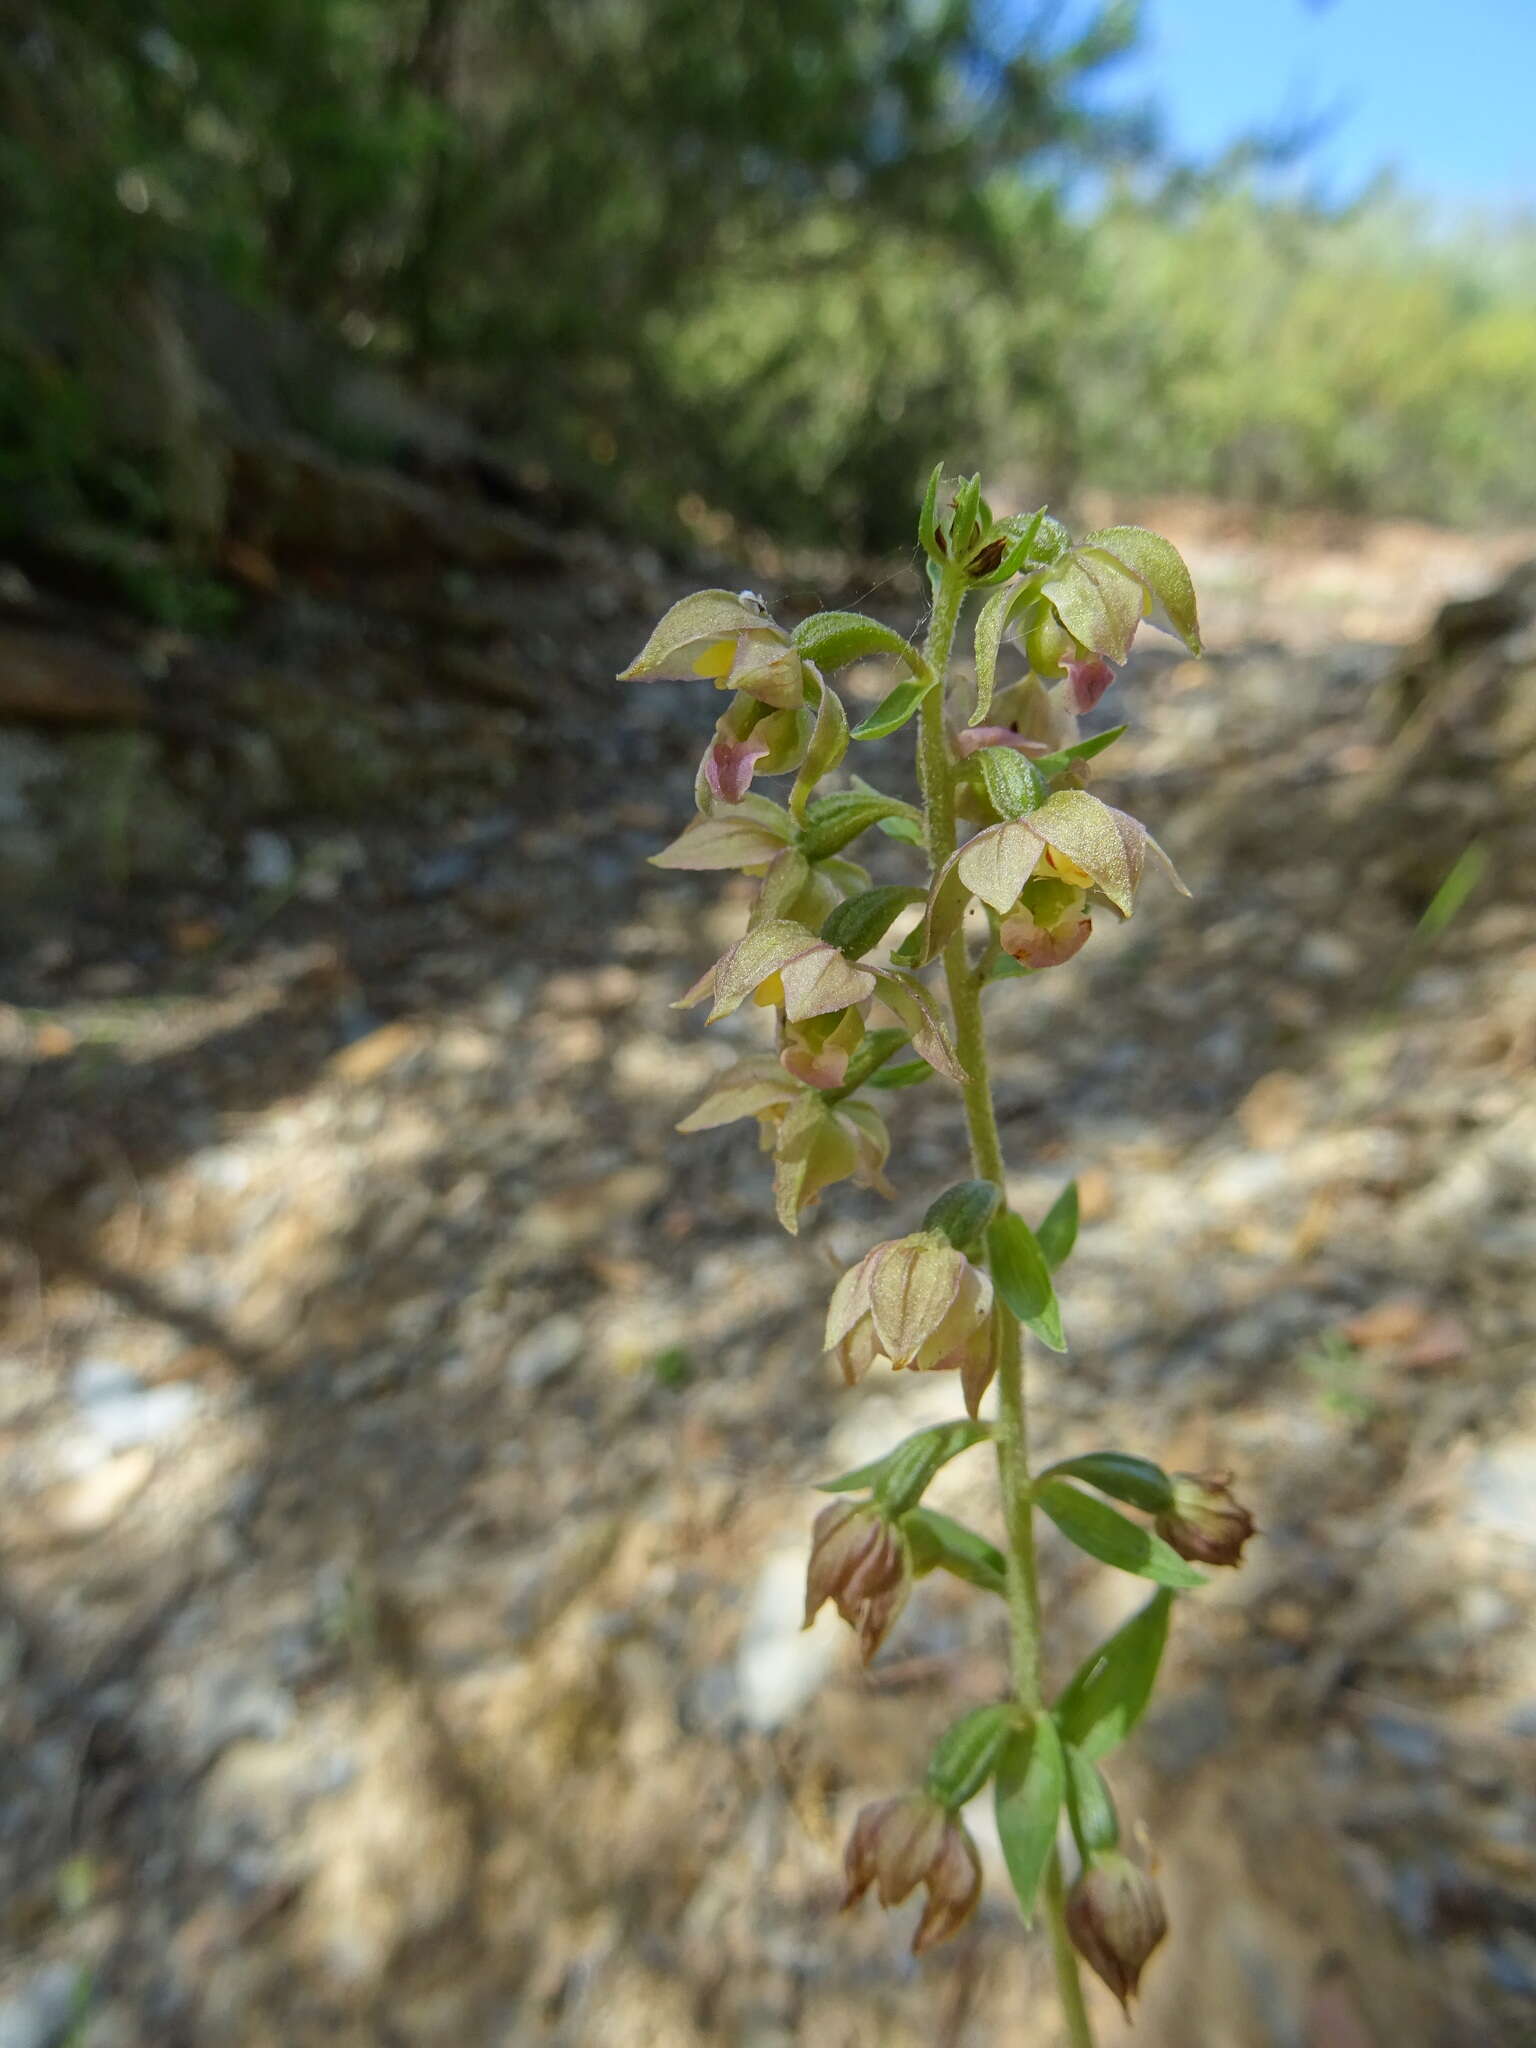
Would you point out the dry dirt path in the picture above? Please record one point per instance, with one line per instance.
(406, 1435)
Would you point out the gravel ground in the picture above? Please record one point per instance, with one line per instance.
(407, 1437)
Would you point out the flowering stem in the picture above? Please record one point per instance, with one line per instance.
(1012, 1433)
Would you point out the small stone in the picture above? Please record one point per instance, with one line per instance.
(781, 1665)
(43, 2011)
(545, 1353)
(269, 860)
(121, 1412)
(83, 1506)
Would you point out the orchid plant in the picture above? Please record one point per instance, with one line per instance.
(1021, 858)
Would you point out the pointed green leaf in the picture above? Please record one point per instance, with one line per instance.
(940, 1543)
(1110, 1537)
(927, 1448)
(1090, 1806)
(1031, 1782)
(1023, 1278)
(1014, 785)
(1058, 1233)
(907, 830)
(928, 518)
(832, 822)
(833, 639)
(1136, 1481)
(893, 710)
(853, 927)
(907, 1075)
(965, 1754)
(963, 1212)
(1109, 1693)
(1084, 750)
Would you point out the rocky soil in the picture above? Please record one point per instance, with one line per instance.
(407, 1438)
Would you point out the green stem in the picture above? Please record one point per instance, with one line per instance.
(935, 773)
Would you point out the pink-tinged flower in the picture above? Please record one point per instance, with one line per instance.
(750, 737)
(1048, 924)
(1072, 840)
(729, 639)
(1116, 1918)
(860, 1562)
(903, 1843)
(1206, 1523)
(784, 965)
(729, 764)
(752, 834)
(814, 1143)
(914, 1303)
(1086, 682)
(817, 1052)
(972, 738)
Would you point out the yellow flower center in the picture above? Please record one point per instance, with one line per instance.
(1056, 865)
(716, 660)
(769, 994)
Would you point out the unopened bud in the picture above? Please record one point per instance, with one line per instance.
(902, 1843)
(860, 1562)
(1116, 1919)
(1205, 1524)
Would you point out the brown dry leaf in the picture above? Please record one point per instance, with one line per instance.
(1420, 1336)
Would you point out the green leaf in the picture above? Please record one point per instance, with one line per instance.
(871, 1053)
(1090, 1806)
(853, 927)
(1160, 566)
(940, 1543)
(908, 830)
(893, 710)
(1109, 1692)
(1052, 540)
(928, 519)
(907, 1075)
(964, 1755)
(1031, 1783)
(831, 822)
(1023, 1278)
(833, 639)
(1058, 1233)
(1107, 1535)
(1134, 1480)
(1084, 750)
(1014, 785)
(963, 516)
(963, 1212)
(1022, 534)
(928, 1448)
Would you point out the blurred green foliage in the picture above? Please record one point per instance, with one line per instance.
(712, 254)
(1275, 353)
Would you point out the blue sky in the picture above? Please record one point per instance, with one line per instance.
(1442, 91)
